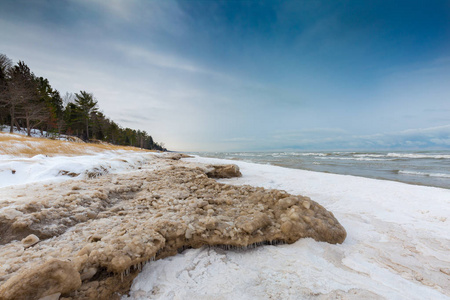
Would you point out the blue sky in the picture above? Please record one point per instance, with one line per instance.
(248, 75)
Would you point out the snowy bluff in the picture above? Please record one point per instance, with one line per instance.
(88, 239)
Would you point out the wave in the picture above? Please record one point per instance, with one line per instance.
(369, 155)
(307, 154)
(442, 175)
(242, 154)
(414, 155)
(355, 158)
(363, 156)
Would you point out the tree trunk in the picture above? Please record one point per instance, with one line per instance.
(87, 130)
(11, 130)
(27, 117)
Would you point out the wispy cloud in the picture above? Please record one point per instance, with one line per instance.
(158, 59)
(123, 9)
(432, 137)
(307, 133)
(239, 140)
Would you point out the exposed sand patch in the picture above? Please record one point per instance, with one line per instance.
(96, 232)
(19, 145)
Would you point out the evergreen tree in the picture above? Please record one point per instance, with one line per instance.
(5, 66)
(22, 96)
(72, 119)
(53, 102)
(86, 105)
(113, 133)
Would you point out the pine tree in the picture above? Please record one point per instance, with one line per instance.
(5, 66)
(52, 100)
(86, 105)
(22, 96)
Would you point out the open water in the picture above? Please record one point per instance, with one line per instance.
(430, 168)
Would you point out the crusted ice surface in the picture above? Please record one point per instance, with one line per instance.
(100, 231)
(16, 170)
(396, 248)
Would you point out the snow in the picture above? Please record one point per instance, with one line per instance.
(33, 132)
(40, 168)
(397, 246)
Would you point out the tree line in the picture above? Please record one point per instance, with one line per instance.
(29, 102)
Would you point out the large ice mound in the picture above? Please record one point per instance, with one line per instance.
(97, 233)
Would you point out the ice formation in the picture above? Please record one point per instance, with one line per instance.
(89, 238)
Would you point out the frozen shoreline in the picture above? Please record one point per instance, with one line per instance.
(396, 248)
(98, 231)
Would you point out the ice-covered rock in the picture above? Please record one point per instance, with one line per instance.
(40, 280)
(30, 240)
(224, 171)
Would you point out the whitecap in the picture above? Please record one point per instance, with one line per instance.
(443, 175)
(416, 155)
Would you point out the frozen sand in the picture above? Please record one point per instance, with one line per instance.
(397, 247)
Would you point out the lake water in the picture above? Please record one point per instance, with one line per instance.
(430, 168)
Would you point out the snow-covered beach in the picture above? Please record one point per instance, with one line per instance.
(397, 244)
(397, 247)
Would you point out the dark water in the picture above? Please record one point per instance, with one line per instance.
(430, 168)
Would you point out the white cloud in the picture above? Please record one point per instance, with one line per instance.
(445, 129)
(443, 142)
(159, 59)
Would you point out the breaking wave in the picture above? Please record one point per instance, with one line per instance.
(356, 158)
(414, 173)
(429, 168)
(418, 155)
